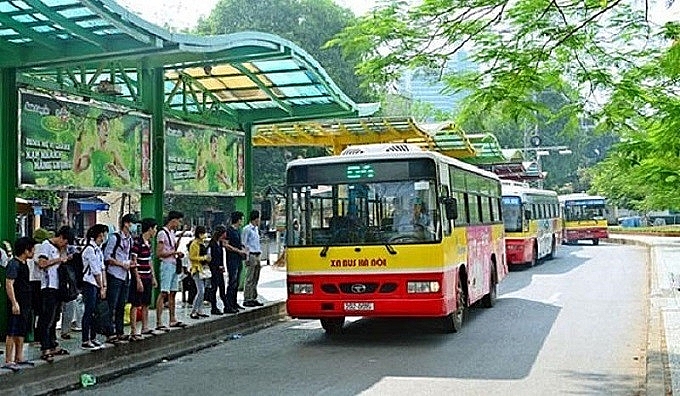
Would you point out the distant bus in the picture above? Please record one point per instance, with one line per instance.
(584, 218)
(533, 226)
(390, 230)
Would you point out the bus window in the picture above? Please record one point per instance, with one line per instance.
(512, 214)
(370, 213)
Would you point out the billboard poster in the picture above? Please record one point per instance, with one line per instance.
(203, 160)
(66, 144)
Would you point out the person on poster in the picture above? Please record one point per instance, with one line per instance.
(212, 168)
(102, 157)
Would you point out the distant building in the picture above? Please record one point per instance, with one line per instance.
(424, 85)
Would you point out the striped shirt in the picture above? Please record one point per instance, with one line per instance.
(141, 249)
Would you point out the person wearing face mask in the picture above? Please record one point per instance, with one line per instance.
(117, 259)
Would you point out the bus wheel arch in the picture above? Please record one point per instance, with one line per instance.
(453, 322)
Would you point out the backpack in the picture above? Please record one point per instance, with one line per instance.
(68, 285)
(117, 245)
(76, 262)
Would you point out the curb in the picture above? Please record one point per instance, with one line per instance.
(105, 364)
(656, 370)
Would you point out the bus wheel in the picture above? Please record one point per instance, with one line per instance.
(489, 300)
(596, 241)
(551, 255)
(453, 322)
(333, 325)
(534, 259)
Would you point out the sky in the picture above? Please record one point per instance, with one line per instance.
(182, 14)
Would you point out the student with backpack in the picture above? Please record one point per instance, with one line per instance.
(51, 253)
(117, 260)
(94, 283)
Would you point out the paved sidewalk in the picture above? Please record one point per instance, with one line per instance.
(112, 360)
(664, 348)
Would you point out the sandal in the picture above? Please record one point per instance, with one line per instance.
(48, 357)
(148, 332)
(124, 337)
(60, 351)
(162, 328)
(135, 337)
(178, 324)
(194, 316)
(26, 363)
(202, 315)
(11, 366)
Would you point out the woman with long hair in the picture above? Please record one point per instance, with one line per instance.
(216, 246)
(94, 282)
(198, 257)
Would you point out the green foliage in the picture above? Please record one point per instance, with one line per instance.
(47, 198)
(605, 57)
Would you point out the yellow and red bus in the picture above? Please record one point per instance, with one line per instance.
(533, 226)
(390, 230)
(584, 218)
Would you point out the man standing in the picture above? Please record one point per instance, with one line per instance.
(51, 253)
(20, 319)
(117, 259)
(235, 254)
(251, 240)
(166, 250)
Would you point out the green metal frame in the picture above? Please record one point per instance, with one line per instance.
(70, 49)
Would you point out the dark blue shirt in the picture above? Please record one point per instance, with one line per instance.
(234, 239)
(19, 272)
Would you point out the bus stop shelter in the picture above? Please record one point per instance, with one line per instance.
(73, 59)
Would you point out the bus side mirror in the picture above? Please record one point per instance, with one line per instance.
(527, 214)
(451, 207)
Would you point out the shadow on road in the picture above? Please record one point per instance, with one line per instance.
(523, 326)
(567, 258)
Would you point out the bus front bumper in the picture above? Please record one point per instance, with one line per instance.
(367, 307)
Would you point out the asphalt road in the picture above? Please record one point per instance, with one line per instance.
(573, 325)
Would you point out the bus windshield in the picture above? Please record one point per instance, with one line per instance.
(512, 214)
(363, 213)
(577, 211)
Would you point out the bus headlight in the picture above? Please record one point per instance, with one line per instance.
(301, 288)
(422, 287)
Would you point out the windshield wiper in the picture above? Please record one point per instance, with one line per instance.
(324, 250)
(389, 248)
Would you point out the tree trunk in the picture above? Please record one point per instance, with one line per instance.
(63, 209)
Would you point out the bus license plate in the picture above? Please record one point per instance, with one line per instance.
(359, 306)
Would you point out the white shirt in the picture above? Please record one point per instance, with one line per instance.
(48, 251)
(93, 263)
(167, 238)
(251, 239)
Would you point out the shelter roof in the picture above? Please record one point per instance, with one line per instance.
(247, 76)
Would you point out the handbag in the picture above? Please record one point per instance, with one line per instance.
(205, 272)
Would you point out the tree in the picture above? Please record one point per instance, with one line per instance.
(608, 51)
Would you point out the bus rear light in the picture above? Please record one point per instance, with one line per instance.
(422, 287)
(300, 288)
